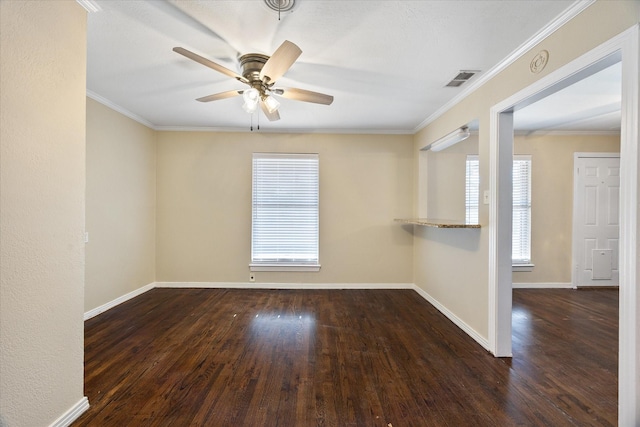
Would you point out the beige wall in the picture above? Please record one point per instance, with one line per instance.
(552, 200)
(42, 194)
(552, 194)
(445, 173)
(204, 206)
(435, 250)
(121, 193)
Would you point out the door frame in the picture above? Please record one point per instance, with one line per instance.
(624, 47)
(574, 232)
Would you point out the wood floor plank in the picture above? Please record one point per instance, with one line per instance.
(233, 357)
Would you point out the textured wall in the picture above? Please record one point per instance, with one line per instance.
(204, 206)
(121, 205)
(42, 163)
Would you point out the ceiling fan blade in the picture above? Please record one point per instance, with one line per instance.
(221, 95)
(271, 116)
(281, 60)
(179, 12)
(304, 95)
(208, 63)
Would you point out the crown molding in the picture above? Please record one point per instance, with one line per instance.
(119, 109)
(104, 101)
(285, 130)
(542, 132)
(89, 5)
(571, 12)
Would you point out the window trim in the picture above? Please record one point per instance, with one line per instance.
(284, 267)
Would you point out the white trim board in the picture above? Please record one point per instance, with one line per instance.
(104, 307)
(72, 413)
(453, 318)
(541, 285)
(254, 285)
(104, 101)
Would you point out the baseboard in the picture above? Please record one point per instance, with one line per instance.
(597, 287)
(104, 307)
(72, 414)
(550, 285)
(455, 319)
(255, 285)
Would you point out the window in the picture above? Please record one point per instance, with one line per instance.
(285, 219)
(521, 233)
(472, 190)
(521, 240)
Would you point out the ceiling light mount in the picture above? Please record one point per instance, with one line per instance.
(281, 6)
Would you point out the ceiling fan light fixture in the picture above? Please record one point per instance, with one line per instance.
(250, 107)
(251, 96)
(271, 103)
(251, 99)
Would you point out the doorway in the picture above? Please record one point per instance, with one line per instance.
(624, 47)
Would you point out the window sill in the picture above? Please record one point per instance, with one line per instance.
(284, 267)
(522, 267)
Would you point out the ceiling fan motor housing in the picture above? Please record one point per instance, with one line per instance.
(251, 65)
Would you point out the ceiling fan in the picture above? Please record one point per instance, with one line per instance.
(261, 72)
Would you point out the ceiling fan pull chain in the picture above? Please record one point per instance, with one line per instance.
(279, 6)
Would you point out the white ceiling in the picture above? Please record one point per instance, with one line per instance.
(589, 105)
(385, 62)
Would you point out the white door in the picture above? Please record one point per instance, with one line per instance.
(595, 219)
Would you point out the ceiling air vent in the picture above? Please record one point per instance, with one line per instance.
(462, 77)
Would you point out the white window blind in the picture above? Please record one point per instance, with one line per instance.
(285, 219)
(472, 190)
(521, 241)
(521, 233)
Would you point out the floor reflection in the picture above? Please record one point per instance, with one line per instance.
(280, 324)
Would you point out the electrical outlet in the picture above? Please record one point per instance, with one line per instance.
(252, 277)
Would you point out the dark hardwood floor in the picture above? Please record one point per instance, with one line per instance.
(230, 357)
